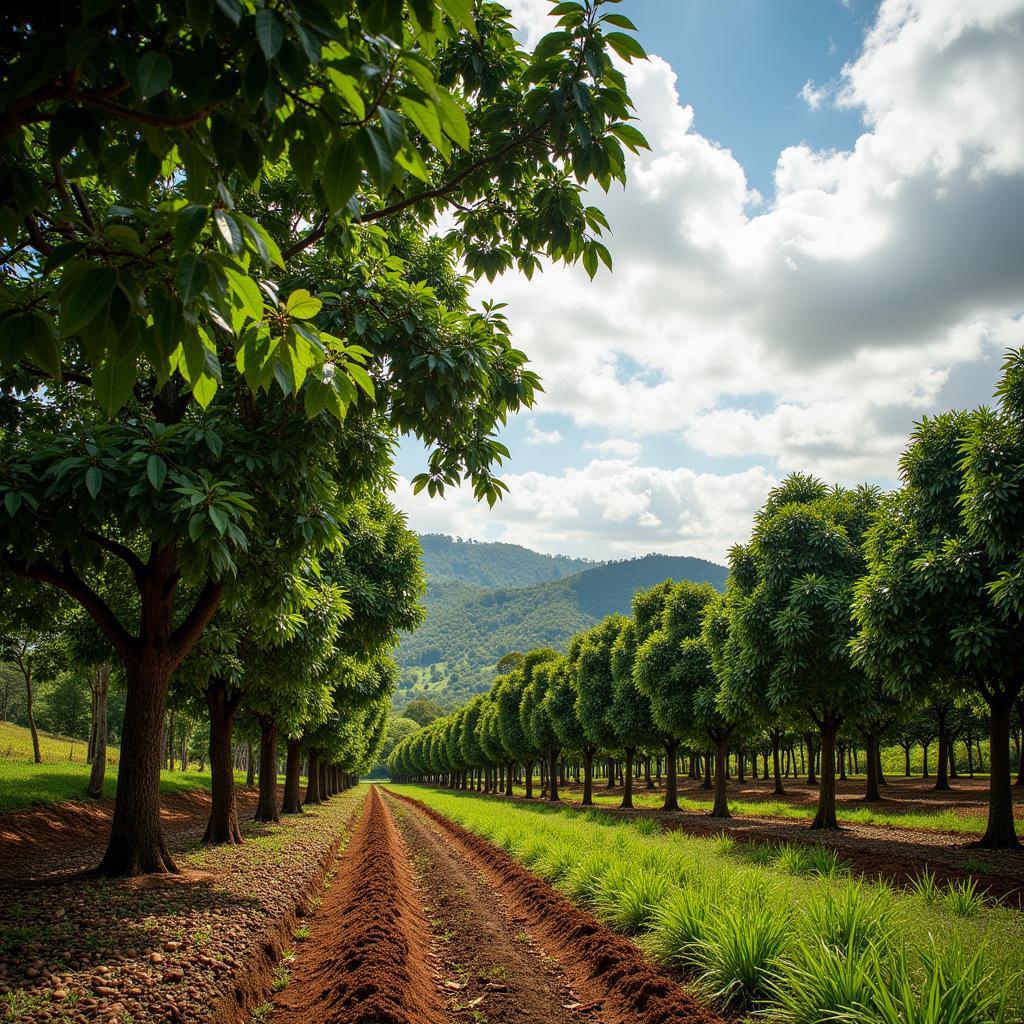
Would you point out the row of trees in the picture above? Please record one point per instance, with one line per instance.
(223, 299)
(848, 609)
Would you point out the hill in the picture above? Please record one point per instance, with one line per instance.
(469, 627)
(488, 564)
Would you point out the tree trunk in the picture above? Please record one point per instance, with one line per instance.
(508, 778)
(826, 816)
(553, 776)
(871, 793)
(741, 767)
(942, 769)
(313, 795)
(588, 776)
(611, 774)
(100, 689)
(721, 805)
(707, 783)
(906, 760)
(841, 760)
(648, 784)
(627, 780)
(811, 777)
(266, 809)
(776, 739)
(222, 828)
(528, 779)
(250, 766)
(925, 774)
(1000, 833)
(136, 845)
(671, 782)
(1020, 751)
(292, 802)
(170, 742)
(25, 664)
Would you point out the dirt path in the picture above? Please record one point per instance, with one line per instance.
(366, 958)
(491, 967)
(562, 965)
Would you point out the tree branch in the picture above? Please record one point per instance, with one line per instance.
(122, 551)
(185, 636)
(74, 586)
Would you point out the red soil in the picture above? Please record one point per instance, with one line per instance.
(365, 959)
(605, 969)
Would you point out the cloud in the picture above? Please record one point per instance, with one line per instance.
(812, 95)
(534, 435)
(615, 446)
(612, 507)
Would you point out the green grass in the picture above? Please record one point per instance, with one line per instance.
(783, 937)
(16, 745)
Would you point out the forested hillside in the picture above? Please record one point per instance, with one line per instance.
(468, 628)
(493, 564)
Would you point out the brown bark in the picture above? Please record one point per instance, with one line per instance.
(627, 779)
(588, 776)
(222, 827)
(528, 778)
(313, 794)
(671, 781)
(553, 775)
(1000, 832)
(780, 790)
(100, 686)
(826, 815)
(266, 808)
(292, 802)
(720, 808)
(942, 768)
(871, 793)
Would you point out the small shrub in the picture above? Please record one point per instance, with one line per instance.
(582, 881)
(635, 905)
(681, 922)
(723, 843)
(794, 859)
(821, 983)
(925, 887)
(645, 827)
(850, 918)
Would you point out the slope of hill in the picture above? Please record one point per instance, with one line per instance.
(490, 564)
(468, 628)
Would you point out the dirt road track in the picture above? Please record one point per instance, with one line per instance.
(425, 923)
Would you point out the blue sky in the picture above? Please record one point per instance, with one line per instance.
(822, 246)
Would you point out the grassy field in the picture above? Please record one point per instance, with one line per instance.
(64, 774)
(783, 932)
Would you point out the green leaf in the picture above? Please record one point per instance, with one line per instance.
(302, 305)
(218, 519)
(229, 230)
(42, 346)
(12, 502)
(265, 246)
(156, 470)
(85, 297)
(339, 174)
(191, 277)
(620, 21)
(552, 43)
(204, 389)
(155, 72)
(112, 381)
(93, 481)
(625, 46)
(248, 292)
(632, 137)
(189, 223)
(269, 32)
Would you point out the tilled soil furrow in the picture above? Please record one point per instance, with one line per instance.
(366, 959)
(490, 967)
(611, 980)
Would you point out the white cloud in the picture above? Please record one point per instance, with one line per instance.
(814, 95)
(609, 507)
(615, 446)
(534, 435)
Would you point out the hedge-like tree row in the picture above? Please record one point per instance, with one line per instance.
(847, 610)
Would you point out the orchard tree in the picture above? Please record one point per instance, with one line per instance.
(940, 602)
(560, 706)
(538, 724)
(790, 615)
(517, 742)
(629, 714)
(182, 392)
(595, 688)
(664, 673)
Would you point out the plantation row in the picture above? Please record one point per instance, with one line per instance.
(783, 930)
(848, 611)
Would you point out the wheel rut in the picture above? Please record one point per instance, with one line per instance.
(366, 959)
(490, 966)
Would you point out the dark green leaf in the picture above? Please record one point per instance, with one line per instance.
(112, 382)
(154, 74)
(191, 277)
(269, 32)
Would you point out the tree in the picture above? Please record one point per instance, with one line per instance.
(790, 613)
(423, 710)
(560, 705)
(629, 713)
(398, 729)
(940, 601)
(167, 221)
(595, 688)
(538, 724)
(508, 692)
(664, 672)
